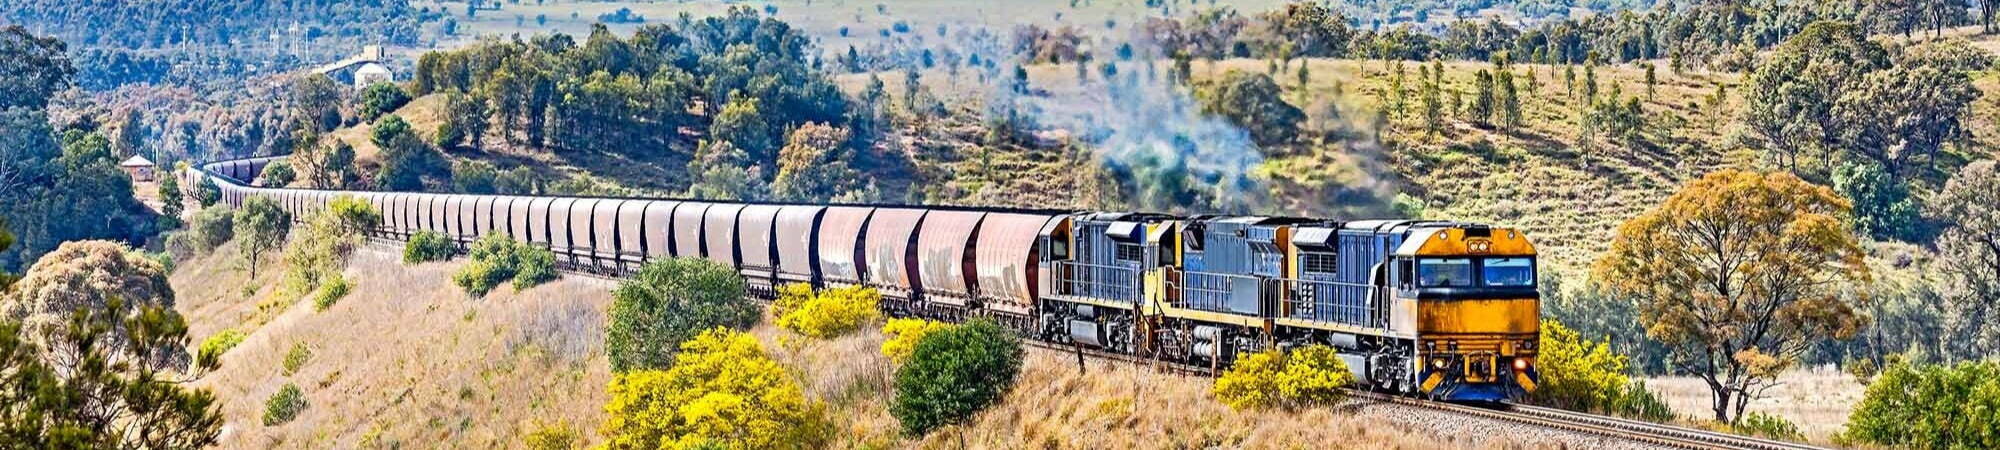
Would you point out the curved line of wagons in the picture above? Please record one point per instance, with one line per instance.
(953, 255)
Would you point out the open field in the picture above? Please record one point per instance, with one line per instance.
(1817, 399)
(866, 22)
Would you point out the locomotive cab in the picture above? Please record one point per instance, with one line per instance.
(1477, 311)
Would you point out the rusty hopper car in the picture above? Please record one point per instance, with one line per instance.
(1440, 309)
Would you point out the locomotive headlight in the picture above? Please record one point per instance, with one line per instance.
(1521, 364)
(1438, 363)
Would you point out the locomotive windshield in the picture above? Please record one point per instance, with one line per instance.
(1445, 272)
(1469, 272)
(1507, 272)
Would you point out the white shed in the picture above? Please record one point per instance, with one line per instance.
(371, 73)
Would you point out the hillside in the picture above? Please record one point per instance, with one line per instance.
(1535, 177)
(407, 360)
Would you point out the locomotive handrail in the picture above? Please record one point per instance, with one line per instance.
(1121, 283)
(1316, 301)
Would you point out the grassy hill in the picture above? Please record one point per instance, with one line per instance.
(1567, 191)
(408, 360)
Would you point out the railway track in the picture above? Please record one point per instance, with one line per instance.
(1665, 436)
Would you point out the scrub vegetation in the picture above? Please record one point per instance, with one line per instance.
(1846, 146)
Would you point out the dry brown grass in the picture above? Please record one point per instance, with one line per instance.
(407, 359)
(1117, 405)
(1817, 399)
(1053, 406)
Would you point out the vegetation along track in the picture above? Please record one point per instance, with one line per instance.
(1649, 433)
(1610, 427)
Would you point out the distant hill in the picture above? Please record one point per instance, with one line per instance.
(198, 41)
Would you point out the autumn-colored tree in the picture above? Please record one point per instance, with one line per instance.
(1738, 274)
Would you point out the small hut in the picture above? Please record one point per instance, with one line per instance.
(140, 168)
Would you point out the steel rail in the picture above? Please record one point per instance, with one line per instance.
(1662, 435)
(1598, 425)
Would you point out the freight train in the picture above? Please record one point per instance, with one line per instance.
(1442, 310)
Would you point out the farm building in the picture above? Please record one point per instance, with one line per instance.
(140, 168)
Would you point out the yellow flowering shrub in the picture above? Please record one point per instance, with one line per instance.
(1310, 375)
(904, 334)
(790, 298)
(833, 312)
(723, 391)
(1250, 383)
(1314, 375)
(1578, 373)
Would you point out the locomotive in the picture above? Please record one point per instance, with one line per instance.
(1437, 309)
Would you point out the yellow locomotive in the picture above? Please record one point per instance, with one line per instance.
(1439, 309)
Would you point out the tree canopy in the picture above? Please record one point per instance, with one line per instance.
(1969, 252)
(262, 224)
(668, 302)
(633, 96)
(93, 355)
(1738, 273)
(49, 180)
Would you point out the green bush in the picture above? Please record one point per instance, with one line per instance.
(668, 302)
(479, 277)
(212, 348)
(206, 193)
(1930, 406)
(330, 292)
(1641, 403)
(164, 259)
(954, 373)
(1768, 426)
(427, 246)
(497, 258)
(380, 98)
(211, 227)
(279, 174)
(317, 253)
(533, 266)
(284, 405)
(296, 357)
